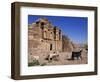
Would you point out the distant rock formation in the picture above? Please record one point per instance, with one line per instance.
(66, 44)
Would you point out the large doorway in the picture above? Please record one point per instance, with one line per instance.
(50, 46)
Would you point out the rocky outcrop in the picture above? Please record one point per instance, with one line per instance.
(66, 44)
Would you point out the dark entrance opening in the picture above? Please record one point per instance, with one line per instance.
(50, 46)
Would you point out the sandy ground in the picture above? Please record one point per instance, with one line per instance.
(65, 59)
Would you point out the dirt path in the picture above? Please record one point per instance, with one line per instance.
(65, 59)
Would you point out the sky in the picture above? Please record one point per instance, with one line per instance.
(76, 28)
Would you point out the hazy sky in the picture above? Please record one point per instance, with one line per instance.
(75, 28)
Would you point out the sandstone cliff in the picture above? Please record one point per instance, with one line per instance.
(68, 45)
